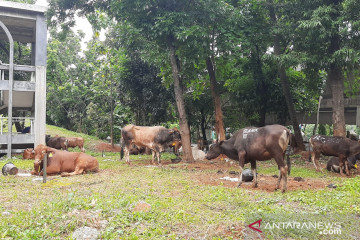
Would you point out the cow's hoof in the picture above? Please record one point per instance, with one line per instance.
(256, 185)
(283, 191)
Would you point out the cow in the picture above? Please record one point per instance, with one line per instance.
(333, 163)
(62, 162)
(251, 144)
(156, 138)
(76, 142)
(201, 144)
(337, 146)
(29, 154)
(56, 142)
(176, 147)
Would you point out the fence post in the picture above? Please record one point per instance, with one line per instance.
(44, 168)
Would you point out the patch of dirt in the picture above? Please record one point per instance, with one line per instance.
(265, 183)
(223, 169)
(141, 206)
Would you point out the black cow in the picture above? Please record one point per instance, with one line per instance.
(333, 163)
(252, 144)
(57, 142)
(156, 138)
(337, 146)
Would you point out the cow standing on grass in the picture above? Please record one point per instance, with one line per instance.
(56, 142)
(76, 142)
(256, 144)
(337, 146)
(156, 138)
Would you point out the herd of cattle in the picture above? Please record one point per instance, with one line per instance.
(247, 145)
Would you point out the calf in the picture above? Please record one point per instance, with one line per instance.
(57, 142)
(252, 144)
(155, 138)
(29, 154)
(76, 142)
(64, 163)
(337, 146)
(333, 163)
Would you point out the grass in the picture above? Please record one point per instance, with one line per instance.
(181, 207)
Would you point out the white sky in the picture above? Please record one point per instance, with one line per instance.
(81, 24)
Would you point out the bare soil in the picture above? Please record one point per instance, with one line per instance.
(209, 173)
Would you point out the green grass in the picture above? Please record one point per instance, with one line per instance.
(181, 207)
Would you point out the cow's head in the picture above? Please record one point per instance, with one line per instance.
(214, 151)
(40, 151)
(175, 134)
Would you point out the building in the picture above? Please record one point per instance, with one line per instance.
(22, 87)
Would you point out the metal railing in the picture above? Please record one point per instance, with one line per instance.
(28, 125)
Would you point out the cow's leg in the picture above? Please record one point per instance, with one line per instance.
(315, 159)
(158, 157)
(283, 170)
(253, 169)
(53, 169)
(341, 166)
(153, 157)
(241, 156)
(127, 154)
(77, 171)
(346, 162)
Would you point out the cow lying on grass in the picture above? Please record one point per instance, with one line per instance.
(155, 138)
(64, 163)
(333, 163)
(28, 154)
(337, 146)
(249, 145)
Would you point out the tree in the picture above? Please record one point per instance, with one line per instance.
(159, 22)
(328, 31)
(281, 45)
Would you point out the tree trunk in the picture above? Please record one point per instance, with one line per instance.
(317, 116)
(336, 81)
(262, 88)
(203, 126)
(184, 127)
(335, 78)
(286, 87)
(219, 123)
(111, 114)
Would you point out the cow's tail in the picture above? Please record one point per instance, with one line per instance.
(288, 162)
(122, 145)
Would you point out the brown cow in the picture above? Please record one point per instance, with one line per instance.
(156, 138)
(252, 144)
(64, 163)
(337, 146)
(57, 142)
(29, 154)
(76, 142)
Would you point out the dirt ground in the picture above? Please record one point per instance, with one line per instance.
(210, 172)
